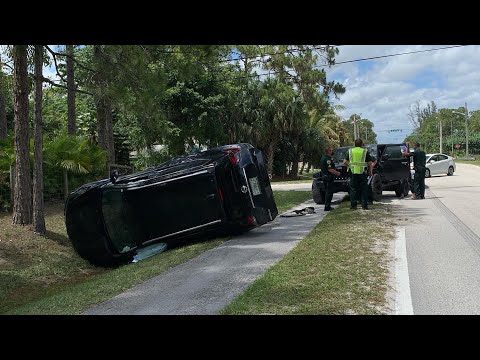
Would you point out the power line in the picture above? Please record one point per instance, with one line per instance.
(344, 62)
(398, 54)
(275, 53)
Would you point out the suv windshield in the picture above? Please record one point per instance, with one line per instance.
(340, 154)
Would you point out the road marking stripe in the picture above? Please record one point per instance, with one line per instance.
(403, 298)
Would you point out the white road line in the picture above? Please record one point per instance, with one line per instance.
(403, 298)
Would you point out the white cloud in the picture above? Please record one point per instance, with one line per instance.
(383, 90)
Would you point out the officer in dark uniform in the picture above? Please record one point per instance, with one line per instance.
(419, 165)
(328, 174)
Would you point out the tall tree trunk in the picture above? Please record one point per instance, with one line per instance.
(72, 123)
(38, 205)
(101, 126)
(296, 159)
(269, 156)
(308, 167)
(109, 131)
(3, 110)
(301, 169)
(101, 102)
(22, 200)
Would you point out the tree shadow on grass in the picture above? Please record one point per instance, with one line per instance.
(58, 238)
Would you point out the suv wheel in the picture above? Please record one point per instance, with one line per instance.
(377, 187)
(450, 171)
(427, 173)
(318, 195)
(402, 189)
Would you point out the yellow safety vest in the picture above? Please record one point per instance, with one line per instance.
(357, 162)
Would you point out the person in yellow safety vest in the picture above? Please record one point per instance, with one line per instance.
(360, 162)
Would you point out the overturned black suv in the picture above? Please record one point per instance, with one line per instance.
(221, 190)
(390, 173)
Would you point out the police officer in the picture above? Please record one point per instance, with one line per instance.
(328, 173)
(359, 161)
(419, 165)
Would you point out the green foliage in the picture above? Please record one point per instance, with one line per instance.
(6, 82)
(54, 114)
(7, 159)
(196, 95)
(453, 130)
(7, 153)
(75, 154)
(151, 158)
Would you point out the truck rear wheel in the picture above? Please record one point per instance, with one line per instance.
(318, 195)
(402, 189)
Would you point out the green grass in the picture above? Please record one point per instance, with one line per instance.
(75, 298)
(302, 179)
(472, 162)
(305, 181)
(44, 275)
(288, 199)
(341, 267)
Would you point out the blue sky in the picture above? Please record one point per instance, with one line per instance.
(383, 90)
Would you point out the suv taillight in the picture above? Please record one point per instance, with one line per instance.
(232, 153)
(233, 158)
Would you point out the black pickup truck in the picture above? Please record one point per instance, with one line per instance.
(390, 173)
(221, 190)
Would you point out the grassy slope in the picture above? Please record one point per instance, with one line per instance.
(44, 275)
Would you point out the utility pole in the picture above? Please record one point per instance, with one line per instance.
(366, 135)
(466, 129)
(441, 148)
(355, 127)
(451, 133)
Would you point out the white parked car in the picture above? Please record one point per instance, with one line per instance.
(438, 164)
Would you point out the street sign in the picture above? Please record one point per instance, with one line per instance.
(457, 146)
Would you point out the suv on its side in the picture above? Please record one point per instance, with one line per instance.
(222, 191)
(390, 173)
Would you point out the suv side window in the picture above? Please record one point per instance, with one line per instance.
(442, 157)
(433, 158)
(394, 152)
(372, 150)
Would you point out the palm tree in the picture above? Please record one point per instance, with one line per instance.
(74, 154)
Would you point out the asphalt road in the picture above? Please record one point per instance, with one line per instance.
(207, 283)
(442, 235)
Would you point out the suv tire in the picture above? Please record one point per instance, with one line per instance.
(402, 189)
(318, 195)
(377, 187)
